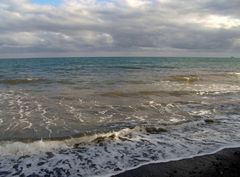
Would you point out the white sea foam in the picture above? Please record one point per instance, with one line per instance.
(41, 146)
(103, 154)
(176, 120)
(234, 73)
(185, 119)
(21, 148)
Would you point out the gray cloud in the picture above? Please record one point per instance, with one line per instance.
(126, 27)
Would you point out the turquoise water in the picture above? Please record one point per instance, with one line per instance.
(95, 112)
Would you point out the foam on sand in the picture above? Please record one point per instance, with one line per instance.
(104, 154)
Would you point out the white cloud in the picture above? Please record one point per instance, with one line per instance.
(136, 3)
(146, 27)
(217, 21)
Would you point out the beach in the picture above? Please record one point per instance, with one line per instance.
(122, 88)
(102, 116)
(225, 163)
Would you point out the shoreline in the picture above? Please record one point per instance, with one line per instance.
(224, 163)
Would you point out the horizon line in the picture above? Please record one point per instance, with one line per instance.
(230, 57)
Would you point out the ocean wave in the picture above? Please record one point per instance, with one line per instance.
(121, 133)
(185, 78)
(126, 67)
(202, 76)
(234, 74)
(108, 153)
(23, 81)
(146, 93)
(30, 147)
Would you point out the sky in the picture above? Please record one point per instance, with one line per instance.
(62, 28)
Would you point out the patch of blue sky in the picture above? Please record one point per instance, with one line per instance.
(52, 2)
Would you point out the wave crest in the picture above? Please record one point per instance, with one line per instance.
(185, 78)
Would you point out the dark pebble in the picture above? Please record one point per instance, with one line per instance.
(40, 163)
(49, 155)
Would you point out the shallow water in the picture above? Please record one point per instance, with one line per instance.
(99, 116)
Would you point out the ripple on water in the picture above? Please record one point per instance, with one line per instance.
(23, 81)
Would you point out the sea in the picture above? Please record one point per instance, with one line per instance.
(101, 116)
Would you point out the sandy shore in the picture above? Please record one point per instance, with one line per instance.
(225, 163)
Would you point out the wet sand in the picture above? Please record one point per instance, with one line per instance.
(225, 163)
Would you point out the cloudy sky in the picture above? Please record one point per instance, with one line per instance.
(41, 28)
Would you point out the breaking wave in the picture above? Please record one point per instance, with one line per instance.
(185, 78)
(108, 153)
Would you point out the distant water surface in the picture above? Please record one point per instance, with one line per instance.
(99, 116)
